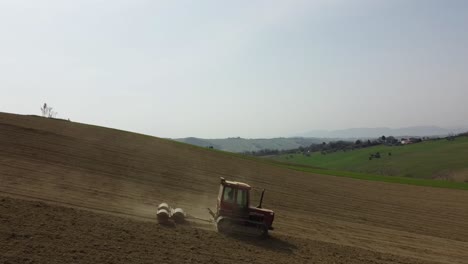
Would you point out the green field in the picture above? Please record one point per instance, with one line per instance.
(382, 178)
(439, 159)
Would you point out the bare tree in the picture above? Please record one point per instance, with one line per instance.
(47, 111)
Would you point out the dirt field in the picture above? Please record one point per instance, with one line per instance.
(101, 186)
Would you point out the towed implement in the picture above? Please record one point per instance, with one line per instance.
(168, 215)
(234, 213)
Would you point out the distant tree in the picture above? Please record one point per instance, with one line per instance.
(450, 137)
(44, 110)
(358, 142)
(391, 140)
(47, 111)
(383, 138)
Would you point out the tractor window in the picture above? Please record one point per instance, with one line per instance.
(241, 198)
(228, 194)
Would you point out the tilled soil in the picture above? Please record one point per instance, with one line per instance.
(110, 181)
(35, 232)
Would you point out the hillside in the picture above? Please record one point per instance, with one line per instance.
(375, 132)
(243, 144)
(435, 159)
(71, 192)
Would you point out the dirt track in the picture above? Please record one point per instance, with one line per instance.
(327, 219)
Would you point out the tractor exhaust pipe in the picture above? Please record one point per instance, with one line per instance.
(261, 199)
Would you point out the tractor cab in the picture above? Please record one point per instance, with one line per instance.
(233, 207)
(233, 198)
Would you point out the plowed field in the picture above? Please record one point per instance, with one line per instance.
(76, 193)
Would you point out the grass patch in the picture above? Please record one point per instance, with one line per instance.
(381, 178)
(427, 160)
(354, 175)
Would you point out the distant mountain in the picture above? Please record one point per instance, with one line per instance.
(316, 137)
(243, 144)
(421, 131)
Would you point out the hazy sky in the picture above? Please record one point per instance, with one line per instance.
(237, 68)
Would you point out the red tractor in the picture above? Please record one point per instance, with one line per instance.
(234, 214)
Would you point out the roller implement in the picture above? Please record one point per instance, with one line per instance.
(234, 213)
(168, 215)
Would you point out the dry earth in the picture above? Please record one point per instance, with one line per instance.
(76, 193)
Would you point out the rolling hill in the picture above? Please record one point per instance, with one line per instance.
(72, 192)
(244, 144)
(374, 132)
(433, 159)
(237, 144)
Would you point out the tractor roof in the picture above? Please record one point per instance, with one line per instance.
(235, 184)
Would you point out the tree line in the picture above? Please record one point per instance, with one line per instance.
(332, 146)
